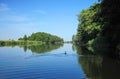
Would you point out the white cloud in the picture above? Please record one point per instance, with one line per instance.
(40, 11)
(13, 18)
(9, 14)
(4, 7)
(18, 18)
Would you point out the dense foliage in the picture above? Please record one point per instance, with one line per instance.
(110, 14)
(88, 28)
(19, 42)
(99, 26)
(44, 37)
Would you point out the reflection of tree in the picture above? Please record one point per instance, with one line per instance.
(42, 48)
(91, 66)
(73, 47)
(25, 48)
(111, 68)
(82, 50)
(98, 66)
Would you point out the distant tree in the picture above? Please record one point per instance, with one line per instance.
(25, 38)
(44, 37)
(20, 38)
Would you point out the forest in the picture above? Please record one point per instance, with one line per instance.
(99, 28)
(38, 38)
(44, 37)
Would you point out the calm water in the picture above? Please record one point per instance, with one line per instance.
(50, 62)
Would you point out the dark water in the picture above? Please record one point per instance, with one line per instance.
(51, 62)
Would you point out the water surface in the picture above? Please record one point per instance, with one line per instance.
(16, 63)
(51, 62)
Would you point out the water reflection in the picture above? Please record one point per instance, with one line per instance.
(65, 65)
(37, 48)
(92, 66)
(16, 64)
(98, 66)
(42, 48)
(81, 50)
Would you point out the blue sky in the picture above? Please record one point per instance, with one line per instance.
(58, 17)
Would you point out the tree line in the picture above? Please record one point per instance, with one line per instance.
(44, 37)
(38, 38)
(99, 26)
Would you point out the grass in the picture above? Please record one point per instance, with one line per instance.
(19, 42)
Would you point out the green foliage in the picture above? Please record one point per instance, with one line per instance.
(25, 38)
(38, 38)
(99, 27)
(7, 42)
(44, 37)
(110, 14)
(19, 42)
(88, 28)
(74, 38)
(100, 45)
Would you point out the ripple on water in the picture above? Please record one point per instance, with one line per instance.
(40, 66)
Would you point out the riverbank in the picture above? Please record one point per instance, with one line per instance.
(19, 42)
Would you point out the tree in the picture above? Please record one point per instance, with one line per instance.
(110, 14)
(44, 37)
(25, 38)
(100, 23)
(88, 27)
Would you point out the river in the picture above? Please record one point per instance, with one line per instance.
(51, 62)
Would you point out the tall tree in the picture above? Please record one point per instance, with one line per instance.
(25, 38)
(110, 14)
(88, 27)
